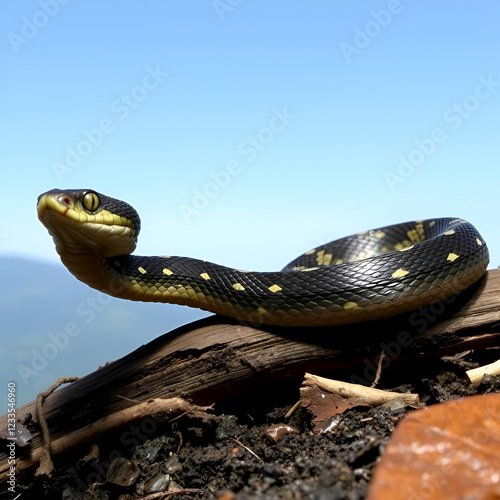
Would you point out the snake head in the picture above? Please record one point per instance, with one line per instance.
(84, 221)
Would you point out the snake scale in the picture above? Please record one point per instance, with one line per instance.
(370, 275)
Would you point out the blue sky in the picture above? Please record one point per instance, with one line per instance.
(248, 132)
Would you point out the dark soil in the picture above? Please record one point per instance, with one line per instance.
(232, 457)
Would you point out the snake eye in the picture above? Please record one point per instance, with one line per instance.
(91, 202)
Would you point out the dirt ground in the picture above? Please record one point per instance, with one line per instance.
(232, 457)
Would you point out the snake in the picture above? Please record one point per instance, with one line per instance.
(370, 275)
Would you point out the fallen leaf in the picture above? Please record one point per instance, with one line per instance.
(443, 452)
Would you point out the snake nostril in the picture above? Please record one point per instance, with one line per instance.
(66, 200)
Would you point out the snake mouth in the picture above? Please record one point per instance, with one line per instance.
(58, 203)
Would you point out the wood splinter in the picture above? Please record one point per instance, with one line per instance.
(326, 397)
(476, 374)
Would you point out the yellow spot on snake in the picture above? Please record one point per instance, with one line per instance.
(261, 311)
(402, 245)
(379, 234)
(452, 257)
(311, 251)
(432, 223)
(339, 261)
(168, 272)
(142, 270)
(275, 288)
(117, 264)
(323, 259)
(238, 286)
(399, 273)
(350, 305)
(416, 235)
(205, 276)
(479, 242)
(450, 232)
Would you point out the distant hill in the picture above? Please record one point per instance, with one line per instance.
(52, 325)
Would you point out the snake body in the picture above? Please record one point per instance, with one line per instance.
(370, 275)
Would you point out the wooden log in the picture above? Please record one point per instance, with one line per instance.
(216, 358)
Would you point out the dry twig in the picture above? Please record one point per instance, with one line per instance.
(160, 409)
(46, 465)
(291, 411)
(246, 448)
(326, 397)
(379, 369)
(167, 494)
(476, 374)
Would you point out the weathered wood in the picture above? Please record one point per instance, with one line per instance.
(213, 359)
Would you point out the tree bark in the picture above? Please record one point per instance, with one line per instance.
(216, 358)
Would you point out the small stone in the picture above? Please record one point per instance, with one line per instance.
(22, 435)
(173, 487)
(172, 465)
(148, 451)
(277, 431)
(123, 472)
(226, 495)
(157, 483)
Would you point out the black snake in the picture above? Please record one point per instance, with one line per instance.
(370, 275)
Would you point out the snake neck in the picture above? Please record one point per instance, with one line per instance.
(175, 280)
(183, 281)
(91, 268)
